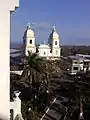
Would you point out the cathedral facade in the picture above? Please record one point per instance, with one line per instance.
(51, 50)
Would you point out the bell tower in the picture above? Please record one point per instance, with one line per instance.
(29, 41)
(54, 43)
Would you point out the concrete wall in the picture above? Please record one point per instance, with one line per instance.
(5, 7)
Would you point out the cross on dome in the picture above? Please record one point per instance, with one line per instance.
(54, 29)
(44, 42)
(28, 27)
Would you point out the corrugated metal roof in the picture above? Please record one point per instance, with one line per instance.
(14, 50)
(76, 57)
(83, 55)
(80, 57)
(15, 54)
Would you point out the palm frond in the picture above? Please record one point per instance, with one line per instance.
(25, 70)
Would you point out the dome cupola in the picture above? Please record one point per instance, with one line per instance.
(29, 32)
(54, 35)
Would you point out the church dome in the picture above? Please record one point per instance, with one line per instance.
(29, 32)
(42, 46)
(54, 34)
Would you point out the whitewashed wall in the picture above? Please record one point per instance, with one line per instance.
(17, 72)
(16, 105)
(5, 7)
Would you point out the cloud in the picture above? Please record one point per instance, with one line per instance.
(69, 33)
(42, 26)
(42, 31)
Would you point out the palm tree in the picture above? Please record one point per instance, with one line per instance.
(32, 67)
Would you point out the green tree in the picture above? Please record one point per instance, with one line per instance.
(32, 67)
(14, 84)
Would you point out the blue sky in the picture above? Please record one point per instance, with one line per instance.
(71, 18)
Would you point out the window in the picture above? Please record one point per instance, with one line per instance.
(55, 42)
(50, 51)
(86, 63)
(11, 114)
(76, 62)
(44, 53)
(30, 41)
(56, 52)
(75, 68)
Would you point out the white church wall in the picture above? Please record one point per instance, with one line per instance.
(44, 52)
(28, 42)
(56, 52)
(55, 43)
(31, 49)
(5, 7)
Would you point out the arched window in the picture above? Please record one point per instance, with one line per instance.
(56, 52)
(55, 42)
(30, 41)
(44, 53)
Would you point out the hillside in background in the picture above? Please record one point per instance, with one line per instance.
(72, 50)
(15, 45)
(66, 50)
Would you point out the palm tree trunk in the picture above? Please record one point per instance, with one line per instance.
(81, 110)
(30, 77)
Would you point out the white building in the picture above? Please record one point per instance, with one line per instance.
(15, 106)
(6, 7)
(78, 63)
(51, 50)
(44, 51)
(29, 41)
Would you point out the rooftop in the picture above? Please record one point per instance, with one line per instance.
(80, 57)
(14, 51)
(83, 56)
(44, 46)
(75, 58)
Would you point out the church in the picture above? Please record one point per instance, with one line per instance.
(51, 50)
